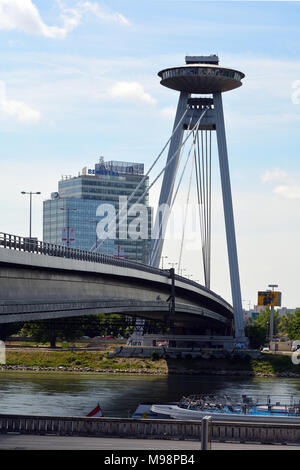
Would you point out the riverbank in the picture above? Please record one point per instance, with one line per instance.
(269, 365)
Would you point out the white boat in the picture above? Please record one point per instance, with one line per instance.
(223, 408)
(144, 411)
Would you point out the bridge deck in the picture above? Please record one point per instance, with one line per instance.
(40, 280)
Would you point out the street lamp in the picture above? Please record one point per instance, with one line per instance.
(273, 286)
(30, 208)
(173, 264)
(162, 261)
(271, 331)
(68, 209)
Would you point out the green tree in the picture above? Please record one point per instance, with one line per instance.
(8, 329)
(285, 324)
(256, 335)
(263, 320)
(294, 326)
(258, 331)
(91, 325)
(45, 331)
(69, 329)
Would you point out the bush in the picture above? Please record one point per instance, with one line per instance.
(154, 356)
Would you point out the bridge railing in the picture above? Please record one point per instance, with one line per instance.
(33, 245)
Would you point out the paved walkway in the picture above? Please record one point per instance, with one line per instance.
(32, 442)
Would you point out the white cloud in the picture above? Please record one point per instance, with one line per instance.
(288, 191)
(102, 13)
(23, 15)
(275, 175)
(16, 109)
(131, 91)
(271, 77)
(287, 186)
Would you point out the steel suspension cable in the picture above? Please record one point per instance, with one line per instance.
(186, 211)
(209, 215)
(156, 243)
(181, 177)
(184, 168)
(148, 172)
(160, 173)
(203, 176)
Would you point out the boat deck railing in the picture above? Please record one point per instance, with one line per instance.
(258, 404)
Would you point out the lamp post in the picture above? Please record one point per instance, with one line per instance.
(271, 332)
(68, 209)
(30, 208)
(173, 264)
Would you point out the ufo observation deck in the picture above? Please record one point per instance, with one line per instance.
(201, 78)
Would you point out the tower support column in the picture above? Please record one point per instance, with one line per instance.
(229, 219)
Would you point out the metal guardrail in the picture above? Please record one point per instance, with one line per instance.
(17, 243)
(102, 427)
(207, 431)
(32, 245)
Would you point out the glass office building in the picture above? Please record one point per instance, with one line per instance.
(77, 212)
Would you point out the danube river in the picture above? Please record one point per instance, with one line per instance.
(76, 394)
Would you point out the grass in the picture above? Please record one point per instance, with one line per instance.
(78, 359)
(269, 364)
(59, 344)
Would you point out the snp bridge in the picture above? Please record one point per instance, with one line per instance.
(33, 275)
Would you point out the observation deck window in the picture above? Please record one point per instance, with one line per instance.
(201, 71)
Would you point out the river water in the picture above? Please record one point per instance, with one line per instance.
(76, 394)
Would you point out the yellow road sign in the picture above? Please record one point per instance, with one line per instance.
(269, 298)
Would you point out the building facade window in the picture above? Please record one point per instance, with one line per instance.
(70, 216)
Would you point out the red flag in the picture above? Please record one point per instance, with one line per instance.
(72, 236)
(96, 412)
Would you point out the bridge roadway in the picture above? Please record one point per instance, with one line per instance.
(26, 442)
(41, 280)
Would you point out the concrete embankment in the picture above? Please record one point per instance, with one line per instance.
(178, 371)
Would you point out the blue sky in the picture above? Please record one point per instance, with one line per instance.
(79, 79)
